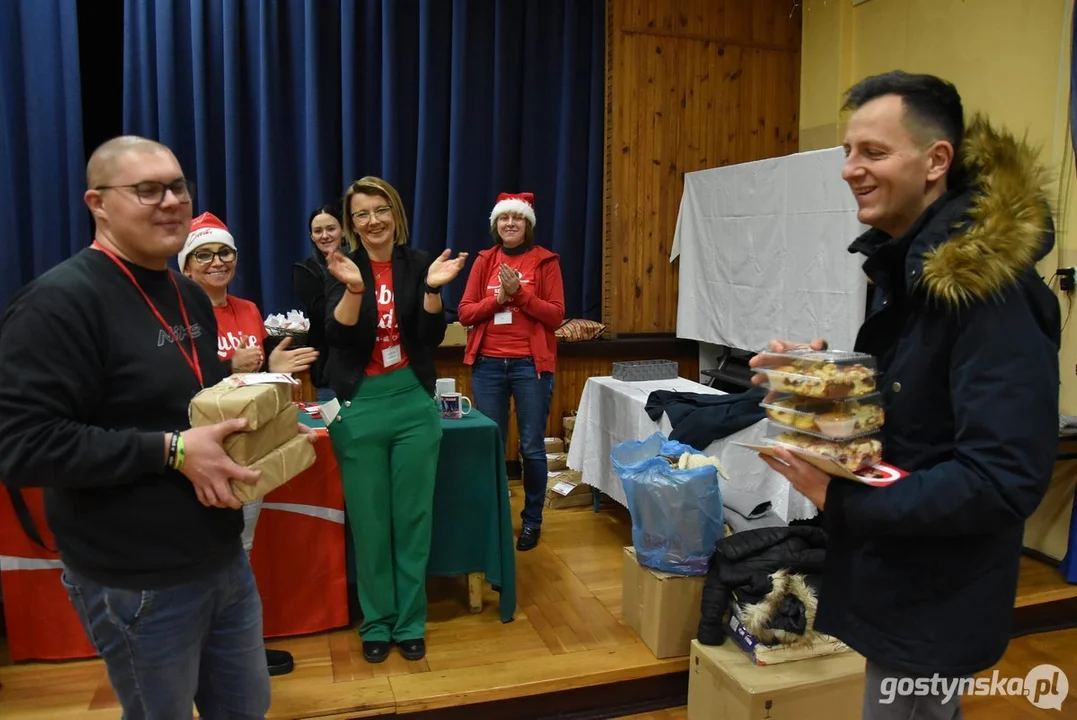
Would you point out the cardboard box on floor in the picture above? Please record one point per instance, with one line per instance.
(565, 489)
(724, 684)
(662, 608)
(555, 445)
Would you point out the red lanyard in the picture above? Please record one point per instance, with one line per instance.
(192, 359)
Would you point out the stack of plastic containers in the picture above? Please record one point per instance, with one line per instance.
(826, 405)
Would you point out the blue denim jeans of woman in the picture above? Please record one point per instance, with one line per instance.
(493, 382)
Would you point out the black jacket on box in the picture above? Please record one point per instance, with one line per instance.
(921, 575)
(774, 575)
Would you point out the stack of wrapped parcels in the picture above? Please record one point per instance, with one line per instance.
(272, 443)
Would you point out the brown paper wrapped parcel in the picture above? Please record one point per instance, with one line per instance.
(229, 399)
(249, 447)
(278, 467)
(272, 444)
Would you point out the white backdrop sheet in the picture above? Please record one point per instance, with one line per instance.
(763, 253)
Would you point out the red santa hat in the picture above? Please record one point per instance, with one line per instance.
(205, 229)
(522, 203)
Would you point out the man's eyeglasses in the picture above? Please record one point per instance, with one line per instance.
(153, 193)
(363, 216)
(205, 257)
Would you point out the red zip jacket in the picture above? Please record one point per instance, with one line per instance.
(545, 303)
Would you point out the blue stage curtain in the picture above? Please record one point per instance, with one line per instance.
(42, 174)
(273, 107)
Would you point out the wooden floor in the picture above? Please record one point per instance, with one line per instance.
(568, 636)
(568, 633)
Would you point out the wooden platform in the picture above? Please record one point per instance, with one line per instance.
(568, 644)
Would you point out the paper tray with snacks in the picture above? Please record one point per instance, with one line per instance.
(877, 474)
(825, 374)
(827, 419)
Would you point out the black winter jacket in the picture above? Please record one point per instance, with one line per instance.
(774, 575)
(420, 332)
(921, 575)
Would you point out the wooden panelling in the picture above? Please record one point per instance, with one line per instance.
(576, 363)
(695, 84)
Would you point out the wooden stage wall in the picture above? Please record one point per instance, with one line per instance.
(690, 85)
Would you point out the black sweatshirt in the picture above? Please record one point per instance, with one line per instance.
(89, 383)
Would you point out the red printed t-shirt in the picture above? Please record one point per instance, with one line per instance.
(388, 333)
(239, 324)
(510, 340)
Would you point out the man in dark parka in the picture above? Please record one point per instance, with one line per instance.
(921, 576)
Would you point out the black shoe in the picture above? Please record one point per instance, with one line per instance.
(412, 649)
(279, 662)
(375, 651)
(529, 538)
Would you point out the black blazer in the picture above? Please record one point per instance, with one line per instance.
(420, 331)
(309, 282)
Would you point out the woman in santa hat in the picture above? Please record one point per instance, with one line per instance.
(513, 303)
(209, 258)
(385, 319)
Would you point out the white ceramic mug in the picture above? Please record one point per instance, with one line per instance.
(452, 405)
(444, 385)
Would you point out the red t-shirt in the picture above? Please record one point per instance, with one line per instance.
(388, 352)
(239, 324)
(508, 335)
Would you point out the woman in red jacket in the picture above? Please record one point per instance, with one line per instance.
(513, 303)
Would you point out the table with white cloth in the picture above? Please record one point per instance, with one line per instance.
(613, 411)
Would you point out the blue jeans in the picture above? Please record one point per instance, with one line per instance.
(197, 643)
(493, 382)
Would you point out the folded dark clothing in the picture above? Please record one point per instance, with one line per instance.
(698, 419)
(774, 574)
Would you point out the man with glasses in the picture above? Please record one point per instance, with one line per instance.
(99, 359)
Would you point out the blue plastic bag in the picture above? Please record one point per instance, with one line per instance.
(676, 514)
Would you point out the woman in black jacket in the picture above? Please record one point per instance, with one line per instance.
(309, 279)
(385, 318)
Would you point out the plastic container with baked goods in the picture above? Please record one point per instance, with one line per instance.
(824, 374)
(854, 455)
(827, 419)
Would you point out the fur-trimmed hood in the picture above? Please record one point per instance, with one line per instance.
(759, 617)
(1007, 226)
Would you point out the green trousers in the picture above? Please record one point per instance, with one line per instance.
(386, 440)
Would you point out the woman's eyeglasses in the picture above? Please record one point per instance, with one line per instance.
(205, 257)
(363, 216)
